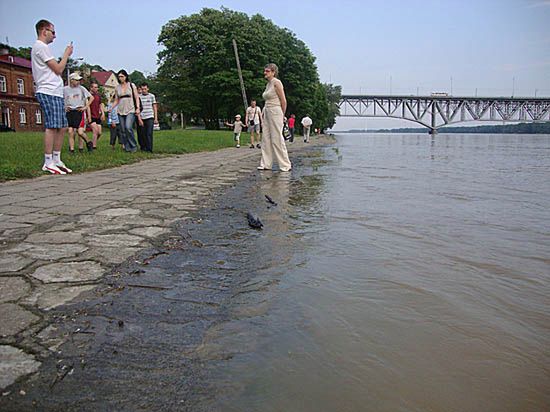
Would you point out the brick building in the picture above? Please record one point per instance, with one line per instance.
(19, 108)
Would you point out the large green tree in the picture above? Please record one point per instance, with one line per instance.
(197, 70)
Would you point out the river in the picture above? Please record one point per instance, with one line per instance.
(402, 273)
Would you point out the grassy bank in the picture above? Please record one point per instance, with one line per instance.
(21, 153)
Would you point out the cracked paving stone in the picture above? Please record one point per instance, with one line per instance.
(13, 288)
(69, 272)
(15, 363)
(13, 319)
(13, 263)
(49, 251)
(114, 255)
(50, 296)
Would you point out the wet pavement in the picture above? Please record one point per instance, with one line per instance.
(145, 260)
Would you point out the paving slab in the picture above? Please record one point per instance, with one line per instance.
(15, 363)
(49, 251)
(14, 319)
(50, 296)
(55, 237)
(150, 231)
(69, 272)
(11, 262)
(13, 288)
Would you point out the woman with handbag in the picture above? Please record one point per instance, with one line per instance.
(273, 147)
(127, 102)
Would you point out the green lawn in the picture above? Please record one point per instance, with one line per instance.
(22, 153)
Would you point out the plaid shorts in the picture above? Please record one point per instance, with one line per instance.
(54, 110)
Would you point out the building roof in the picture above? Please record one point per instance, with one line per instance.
(102, 77)
(16, 61)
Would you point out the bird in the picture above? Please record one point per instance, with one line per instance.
(254, 221)
(270, 200)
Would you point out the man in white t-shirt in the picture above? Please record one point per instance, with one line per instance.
(46, 72)
(306, 122)
(253, 120)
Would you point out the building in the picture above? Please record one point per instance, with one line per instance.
(20, 109)
(108, 80)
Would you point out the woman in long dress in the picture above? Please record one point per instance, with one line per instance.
(273, 144)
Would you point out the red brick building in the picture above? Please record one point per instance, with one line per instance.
(18, 107)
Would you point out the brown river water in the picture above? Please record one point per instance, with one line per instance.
(396, 273)
(413, 274)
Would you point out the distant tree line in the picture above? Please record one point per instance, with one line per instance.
(520, 128)
(198, 75)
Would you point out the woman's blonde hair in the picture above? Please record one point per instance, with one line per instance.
(273, 67)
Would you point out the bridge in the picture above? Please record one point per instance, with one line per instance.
(436, 111)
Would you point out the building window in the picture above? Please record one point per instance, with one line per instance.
(38, 116)
(20, 86)
(22, 116)
(3, 87)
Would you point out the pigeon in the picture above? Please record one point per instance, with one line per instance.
(254, 221)
(270, 200)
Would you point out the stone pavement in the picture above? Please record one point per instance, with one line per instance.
(60, 234)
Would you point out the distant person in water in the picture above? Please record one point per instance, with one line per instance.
(273, 144)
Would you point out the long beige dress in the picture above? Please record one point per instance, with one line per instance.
(273, 144)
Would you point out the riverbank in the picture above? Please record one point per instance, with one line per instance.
(59, 243)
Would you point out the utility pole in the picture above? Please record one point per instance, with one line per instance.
(245, 101)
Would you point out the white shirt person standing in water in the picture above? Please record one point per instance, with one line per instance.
(273, 143)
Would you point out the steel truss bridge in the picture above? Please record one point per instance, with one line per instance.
(434, 112)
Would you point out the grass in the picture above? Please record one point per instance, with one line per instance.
(22, 153)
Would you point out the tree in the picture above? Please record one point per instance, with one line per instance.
(197, 70)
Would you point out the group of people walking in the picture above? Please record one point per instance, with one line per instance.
(71, 105)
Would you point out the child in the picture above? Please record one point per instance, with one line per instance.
(237, 128)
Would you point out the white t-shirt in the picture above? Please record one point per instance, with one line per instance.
(306, 121)
(47, 82)
(254, 113)
(75, 97)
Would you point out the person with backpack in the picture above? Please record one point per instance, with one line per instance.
(127, 102)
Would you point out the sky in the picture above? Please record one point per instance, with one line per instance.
(488, 47)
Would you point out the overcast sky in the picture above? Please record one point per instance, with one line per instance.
(494, 46)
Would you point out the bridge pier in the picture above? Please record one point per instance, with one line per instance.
(433, 132)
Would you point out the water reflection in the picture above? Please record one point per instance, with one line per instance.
(415, 284)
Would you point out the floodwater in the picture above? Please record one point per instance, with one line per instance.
(402, 273)
(395, 273)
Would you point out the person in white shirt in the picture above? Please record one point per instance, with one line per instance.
(253, 120)
(306, 122)
(46, 72)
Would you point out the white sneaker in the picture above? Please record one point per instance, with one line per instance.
(238, 145)
(53, 169)
(61, 166)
